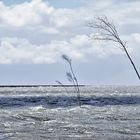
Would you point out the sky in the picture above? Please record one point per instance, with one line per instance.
(35, 33)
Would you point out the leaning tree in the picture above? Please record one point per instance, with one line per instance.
(108, 32)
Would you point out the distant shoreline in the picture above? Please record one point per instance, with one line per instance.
(39, 85)
(12, 86)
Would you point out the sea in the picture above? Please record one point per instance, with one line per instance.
(53, 112)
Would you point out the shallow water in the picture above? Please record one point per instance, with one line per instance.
(40, 113)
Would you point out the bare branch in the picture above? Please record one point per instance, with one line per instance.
(105, 39)
(71, 78)
(60, 83)
(108, 32)
(66, 58)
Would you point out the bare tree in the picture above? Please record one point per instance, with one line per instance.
(108, 32)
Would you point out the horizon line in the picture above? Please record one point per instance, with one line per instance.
(57, 85)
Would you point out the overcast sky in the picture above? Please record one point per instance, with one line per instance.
(34, 34)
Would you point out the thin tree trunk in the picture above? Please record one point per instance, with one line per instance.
(131, 61)
(77, 85)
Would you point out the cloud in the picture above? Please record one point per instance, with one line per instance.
(28, 13)
(16, 50)
(35, 32)
(79, 48)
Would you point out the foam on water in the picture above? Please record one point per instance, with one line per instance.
(42, 113)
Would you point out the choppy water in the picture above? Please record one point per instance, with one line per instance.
(42, 113)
